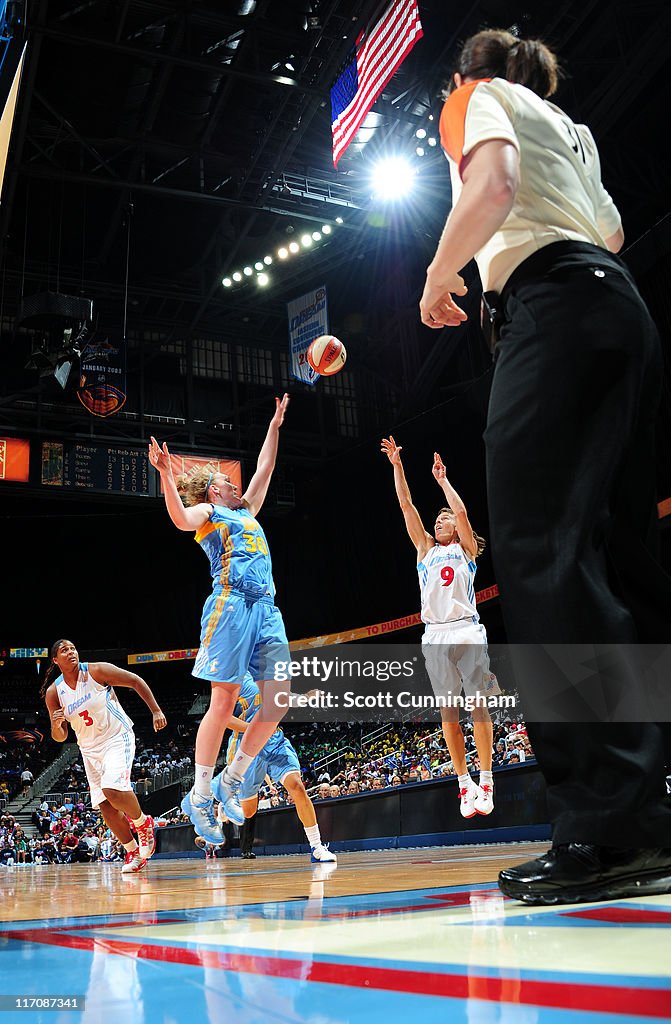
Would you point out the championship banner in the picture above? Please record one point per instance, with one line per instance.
(308, 319)
(102, 378)
(187, 465)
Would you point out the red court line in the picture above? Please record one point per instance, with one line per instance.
(568, 995)
(623, 915)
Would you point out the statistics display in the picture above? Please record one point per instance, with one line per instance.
(96, 467)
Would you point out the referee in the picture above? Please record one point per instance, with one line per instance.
(569, 439)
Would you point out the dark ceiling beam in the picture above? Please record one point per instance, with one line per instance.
(147, 123)
(48, 173)
(195, 64)
(225, 22)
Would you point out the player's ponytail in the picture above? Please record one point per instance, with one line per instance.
(496, 53)
(530, 62)
(52, 669)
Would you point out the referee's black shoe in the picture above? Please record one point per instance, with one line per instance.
(581, 873)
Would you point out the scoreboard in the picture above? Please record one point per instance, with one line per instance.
(78, 466)
(96, 467)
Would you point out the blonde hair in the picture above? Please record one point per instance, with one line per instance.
(480, 541)
(193, 487)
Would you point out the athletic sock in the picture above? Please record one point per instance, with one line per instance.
(487, 779)
(239, 765)
(139, 822)
(131, 847)
(203, 782)
(465, 781)
(313, 835)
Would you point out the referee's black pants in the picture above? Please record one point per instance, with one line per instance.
(573, 519)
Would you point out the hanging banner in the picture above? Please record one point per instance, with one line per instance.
(308, 319)
(102, 379)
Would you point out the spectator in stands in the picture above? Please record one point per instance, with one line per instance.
(334, 791)
(396, 780)
(21, 847)
(353, 788)
(27, 780)
(324, 791)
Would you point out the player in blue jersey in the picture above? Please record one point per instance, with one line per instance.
(279, 760)
(241, 628)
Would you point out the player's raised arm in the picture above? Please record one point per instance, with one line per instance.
(104, 672)
(255, 494)
(184, 518)
(413, 523)
(464, 528)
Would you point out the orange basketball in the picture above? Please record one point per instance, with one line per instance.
(326, 355)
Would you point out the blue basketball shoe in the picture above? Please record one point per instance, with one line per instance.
(227, 791)
(201, 813)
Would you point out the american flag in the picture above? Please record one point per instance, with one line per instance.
(378, 53)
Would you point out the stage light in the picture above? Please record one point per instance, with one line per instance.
(237, 276)
(267, 260)
(227, 282)
(283, 253)
(317, 235)
(392, 178)
(262, 279)
(247, 271)
(306, 241)
(294, 247)
(258, 265)
(421, 133)
(326, 229)
(339, 220)
(420, 151)
(432, 141)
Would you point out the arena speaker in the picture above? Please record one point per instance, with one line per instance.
(61, 322)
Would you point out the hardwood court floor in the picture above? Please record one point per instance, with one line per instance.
(385, 936)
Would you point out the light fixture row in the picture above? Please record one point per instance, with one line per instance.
(283, 253)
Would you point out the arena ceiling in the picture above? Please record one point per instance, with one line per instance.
(204, 128)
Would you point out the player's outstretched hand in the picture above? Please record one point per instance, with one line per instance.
(159, 456)
(280, 409)
(392, 450)
(438, 469)
(159, 720)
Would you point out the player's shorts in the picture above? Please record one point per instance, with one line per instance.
(277, 759)
(238, 635)
(456, 659)
(110, 767)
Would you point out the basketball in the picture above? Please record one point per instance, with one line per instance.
(326, 355)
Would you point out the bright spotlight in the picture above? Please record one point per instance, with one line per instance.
(267, 260)
(420, 151)
(282, 253)
(306, 241)
(294, 247)
(317, 235)
(339, 220)
(430, 117)
(421, 133)
(227, 282)
(326, 229)
(262, 279)
(393, 178)
(258, 265)
(432, 141)
(247, 271)
(237, 276)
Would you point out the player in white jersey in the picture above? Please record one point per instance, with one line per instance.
(454, 642)
(83, 697)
